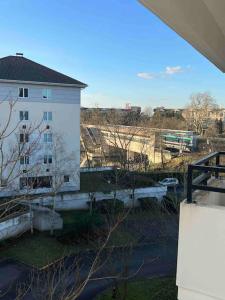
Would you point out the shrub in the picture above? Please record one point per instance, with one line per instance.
(81, 225)
(110, 206)
(149, 203)
(170, 205)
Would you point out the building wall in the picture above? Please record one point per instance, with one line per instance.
(131, 142)
(60, 94)
(201, 264)
(64, 104)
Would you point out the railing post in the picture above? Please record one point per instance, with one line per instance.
(217, 164)
(205, 181)
(189, 184)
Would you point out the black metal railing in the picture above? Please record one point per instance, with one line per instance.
(205, 169)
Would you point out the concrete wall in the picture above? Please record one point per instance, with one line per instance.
(69, 201)
(41, 219)
(156, 156)
(201, 263)
(45, 219)
(15, 226)
(130, 142)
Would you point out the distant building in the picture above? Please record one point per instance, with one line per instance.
(168, 112)
(104, 111)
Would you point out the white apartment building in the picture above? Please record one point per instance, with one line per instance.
(39, 127)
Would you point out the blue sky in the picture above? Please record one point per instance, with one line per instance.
(122, 51)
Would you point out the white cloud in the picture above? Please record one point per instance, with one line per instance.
(145, 75)
(173, 70)
(168, 71)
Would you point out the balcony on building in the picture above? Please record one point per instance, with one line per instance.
(201, 250)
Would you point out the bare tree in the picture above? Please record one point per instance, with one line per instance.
(18, 141)
(197, 113)
(148, 111)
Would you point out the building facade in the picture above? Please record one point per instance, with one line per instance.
(39, 127)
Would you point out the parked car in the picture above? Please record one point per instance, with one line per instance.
(169, 182)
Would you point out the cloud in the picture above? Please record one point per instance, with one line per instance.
(173, 70)
(145, 75)
(168, 71)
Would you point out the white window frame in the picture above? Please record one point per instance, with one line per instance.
(23, 92)
(48, 93)
(24, 160)
(47, 116)
(25, 139)
(46, 138)
(48, 158)
(66, 176)
(24, 113)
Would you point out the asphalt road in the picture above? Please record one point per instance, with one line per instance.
(155, 260)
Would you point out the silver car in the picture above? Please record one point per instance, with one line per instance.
(169, 182)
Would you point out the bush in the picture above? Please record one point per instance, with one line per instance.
(80, 225)
(109, 206)
(170, 205)
(149, 203)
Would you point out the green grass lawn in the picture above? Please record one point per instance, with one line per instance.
(41, 249)
(122, 237)
(36, 250)
(147, 289)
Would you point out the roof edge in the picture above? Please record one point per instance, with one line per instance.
(83, 85)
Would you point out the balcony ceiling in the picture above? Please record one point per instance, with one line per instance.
(199, 22)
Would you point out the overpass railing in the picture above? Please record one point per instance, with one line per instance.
(204, 169)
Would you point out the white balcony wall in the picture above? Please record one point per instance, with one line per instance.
(201, 252)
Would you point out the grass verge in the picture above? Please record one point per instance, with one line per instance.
(146, 289)
(40, 249)
(35, 250)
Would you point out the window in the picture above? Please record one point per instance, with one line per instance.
(24, 160)
(23, 92)
(24, 137)
(48, 137)
(48, 159)
(46, 93)
(47, 116)
(36, 182)
(24, 115)
(3, 182)
(66, 178)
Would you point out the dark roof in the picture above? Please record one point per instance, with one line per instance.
(23, 69)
